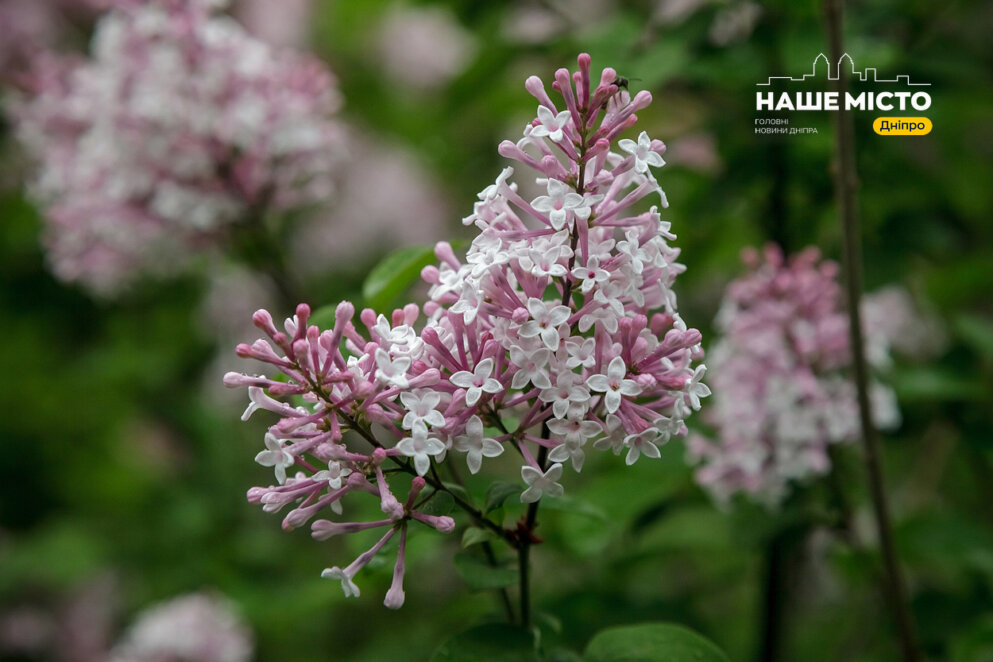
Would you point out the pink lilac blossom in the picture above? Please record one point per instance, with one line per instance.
(558, 333)
(284, 23)
(193, 628)
(25, 26)
(779, 371)
(735, 23)
(178, 128)
(75, 625)
(30, 27)
(331, 236)
(423, 48)
(910, 329)
(535, 22)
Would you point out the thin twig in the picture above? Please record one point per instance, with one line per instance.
(774, 598)
(846, 181)
(504, 595)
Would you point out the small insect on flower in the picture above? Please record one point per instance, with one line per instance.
(623, 82)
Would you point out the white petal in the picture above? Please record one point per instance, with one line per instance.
(422, 463)
(472, 396)
(598, 383)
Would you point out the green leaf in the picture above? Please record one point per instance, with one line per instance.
(930, 383)
(323, 317)
(480, 575)
(493, 642)
(458, 490)
(441, 503)
(475, 535)
(652, 642)
(977, 332)
(571, 504)
(394, 275)
(975, 642)
(498, 492)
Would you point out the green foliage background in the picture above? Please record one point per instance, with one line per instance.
(117, 464)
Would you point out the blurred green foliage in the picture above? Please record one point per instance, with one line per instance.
(121, 458)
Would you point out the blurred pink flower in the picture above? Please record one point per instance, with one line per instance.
(280, 23)
(364, 221)
(423, 48)
(782, 394)
(734, 23)
(892, 313)
(193, 628)
(74, 628)
(536, 22)
(178, 127)
(696, 151)
(29, 27)
(25, 26)
(673, 12)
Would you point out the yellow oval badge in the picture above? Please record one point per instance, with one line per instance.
(902, 126)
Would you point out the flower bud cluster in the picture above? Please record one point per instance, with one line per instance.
(178, 126)
(780, 370)
(558, 333)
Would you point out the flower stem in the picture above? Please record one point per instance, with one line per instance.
(523, 568)
(508, 607)
(774, 599)
(524, 545)
(846, 180)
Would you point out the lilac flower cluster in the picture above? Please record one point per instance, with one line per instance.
(198, 627)
(29, 27)
(176, 128)
(559, 332)
(780, 373)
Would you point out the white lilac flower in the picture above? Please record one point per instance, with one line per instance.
(640, 444)
(477, 382)
(275, 456)
(541, 483)
(550, 124)
(421, 448)
(333, 474)
(392, 371)
(644, 153)
(566, 394)
(421, 410)
(475, 445)
(561, 200)
(545, 322)
(613, 385)
(531, 367)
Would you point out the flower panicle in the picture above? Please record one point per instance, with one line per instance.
(561, 317)
(780, 369)
(179, 129)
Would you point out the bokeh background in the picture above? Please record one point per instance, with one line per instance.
(124, 465)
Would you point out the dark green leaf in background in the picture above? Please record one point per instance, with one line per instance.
(493, 642)
(652, 642)
(394, 275)
(480, 575)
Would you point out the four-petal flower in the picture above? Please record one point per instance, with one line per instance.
(541, 483)
(475, 445)
(477, 382)
(613, 385)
